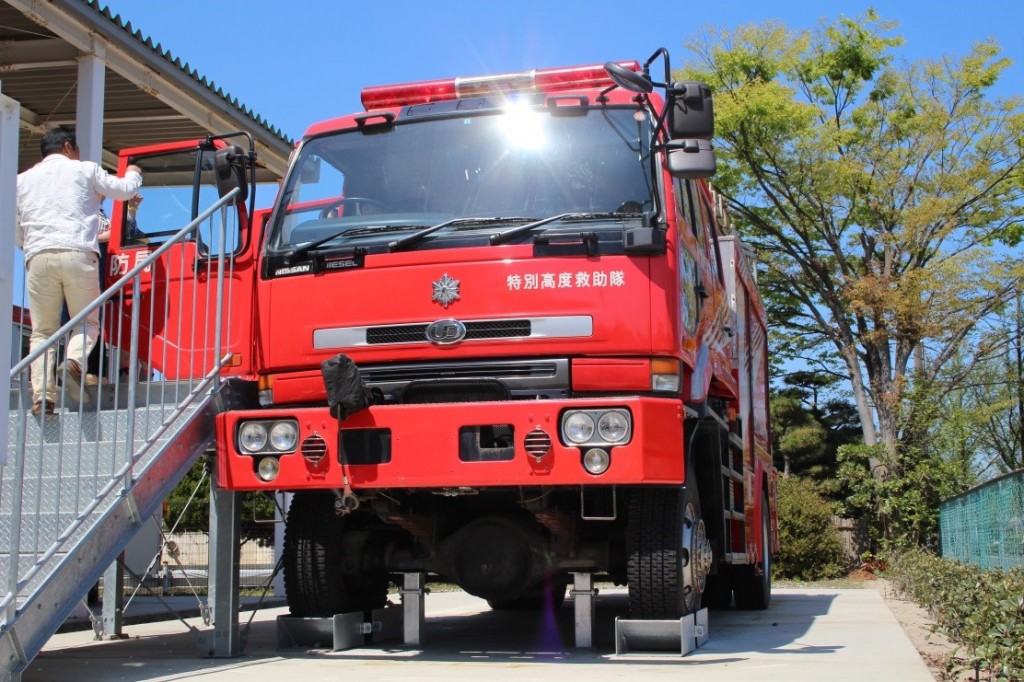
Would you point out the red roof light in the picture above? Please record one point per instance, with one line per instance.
(541, 80)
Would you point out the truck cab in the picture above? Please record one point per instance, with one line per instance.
(563, 353)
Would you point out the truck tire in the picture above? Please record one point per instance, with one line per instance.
(319, 580)
(669, 555)
(753, 589)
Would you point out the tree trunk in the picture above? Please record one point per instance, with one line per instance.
(864, 411)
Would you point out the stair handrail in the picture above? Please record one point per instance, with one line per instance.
(15, 582)
(120, 284)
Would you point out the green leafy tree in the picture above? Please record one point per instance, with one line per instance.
(187, 507)
(809, 547)
(807, 429)
(994, 397)
(874, 193)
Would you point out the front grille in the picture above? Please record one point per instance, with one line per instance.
(548, 377)
(470, 370)
(475, 331)
(454, 391)
(500, 329)
(405, 333)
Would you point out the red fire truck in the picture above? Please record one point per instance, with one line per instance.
(564, 345)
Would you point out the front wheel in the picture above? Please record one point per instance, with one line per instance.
(330, 564)
(753, 588)
(669, 552)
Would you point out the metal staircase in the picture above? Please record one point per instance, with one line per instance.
(79, 483)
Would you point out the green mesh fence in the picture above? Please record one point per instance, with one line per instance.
(985, 525)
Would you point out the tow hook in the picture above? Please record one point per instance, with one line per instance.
(345, 502)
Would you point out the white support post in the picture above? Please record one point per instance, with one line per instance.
(10, 113)
(89, 115)
(225, 530)
(583, 594)
(413, 608)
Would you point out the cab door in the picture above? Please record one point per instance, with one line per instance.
(181, 294)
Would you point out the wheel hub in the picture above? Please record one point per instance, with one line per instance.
(697, 554)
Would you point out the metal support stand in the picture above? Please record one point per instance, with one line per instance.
(413, 608)
(678, 637)
(341, 631)
(225, 530)
(583, 594)
(113, 600)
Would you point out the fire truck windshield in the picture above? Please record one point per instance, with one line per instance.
(481, 173)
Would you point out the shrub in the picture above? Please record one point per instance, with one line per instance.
(809, 547)
(983, 611)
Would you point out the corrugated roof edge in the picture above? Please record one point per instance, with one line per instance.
(166, 55)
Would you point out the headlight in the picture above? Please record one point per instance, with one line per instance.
(252, 437)
(268, 468)
(603, 427)
(596, 461)
(612, 427)
(284, 436)
(578, 427)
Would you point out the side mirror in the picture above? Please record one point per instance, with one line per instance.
(230, 170)
(691, 159)
(691, 114)
(628, 79)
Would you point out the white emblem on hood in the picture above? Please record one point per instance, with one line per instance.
(446, 290)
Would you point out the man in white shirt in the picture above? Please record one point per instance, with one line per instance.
(58, 220)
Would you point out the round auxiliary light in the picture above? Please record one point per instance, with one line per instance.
(284, 436)
(596, 461)
(268, 468)
(252, 437)
(613, 427)
(578, 427)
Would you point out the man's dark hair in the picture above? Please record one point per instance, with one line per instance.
(54, 139)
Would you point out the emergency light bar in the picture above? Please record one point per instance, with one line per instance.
(539, 80)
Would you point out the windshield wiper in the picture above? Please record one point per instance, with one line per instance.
(509, 235)
(426, 232)
(300, 251)
(417, 237)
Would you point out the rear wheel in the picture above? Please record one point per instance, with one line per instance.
(330, 564)
(754, 588)
(669, 553)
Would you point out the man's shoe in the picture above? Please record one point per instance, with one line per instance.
(70, 373)
(42, 407)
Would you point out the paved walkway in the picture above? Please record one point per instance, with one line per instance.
(835, 635)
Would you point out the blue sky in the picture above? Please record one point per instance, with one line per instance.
(299, 62)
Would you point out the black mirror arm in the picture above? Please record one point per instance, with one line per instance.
(660, 52)
(250, 166)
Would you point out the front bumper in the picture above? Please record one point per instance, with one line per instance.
(424, 447)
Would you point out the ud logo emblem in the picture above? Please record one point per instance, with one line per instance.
(444, 332)
(446, 290)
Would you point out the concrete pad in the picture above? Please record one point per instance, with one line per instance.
(838, 635)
